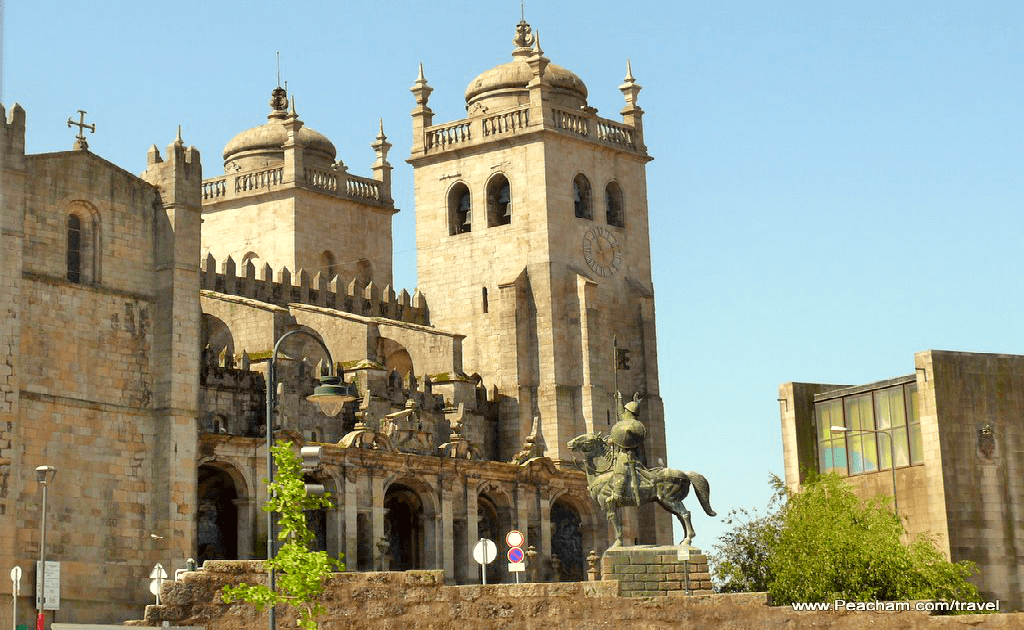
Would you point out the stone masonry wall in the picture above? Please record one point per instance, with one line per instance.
(420, 599)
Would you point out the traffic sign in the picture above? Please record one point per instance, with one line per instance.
(52, 588)
(485, 551)
(156, 579)
(515, 538)
(516, 555)
(517, 568)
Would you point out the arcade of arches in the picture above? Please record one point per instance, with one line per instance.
(428, 517)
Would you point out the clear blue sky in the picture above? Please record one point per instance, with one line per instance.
(836, 185)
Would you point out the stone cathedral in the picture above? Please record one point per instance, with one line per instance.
(140, 314)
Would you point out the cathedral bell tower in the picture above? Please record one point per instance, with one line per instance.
(532, 239)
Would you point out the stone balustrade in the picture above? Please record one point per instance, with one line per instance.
(479, 129)
(335, 181)
(283, 288)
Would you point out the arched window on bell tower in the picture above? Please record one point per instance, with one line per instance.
(614, 213)
(74, 248)
(581, 197)
(82, 244)
(499, 201)
(460, 210)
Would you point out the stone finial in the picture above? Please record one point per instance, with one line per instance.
(524, 39)
(153, 156)
(278, 103)
(630, 88)
(420, 89)
(178, 142)
(592, 573)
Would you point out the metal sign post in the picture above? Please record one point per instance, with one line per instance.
(156, 580)
(16, 591)
(484, 553)
(515, 539)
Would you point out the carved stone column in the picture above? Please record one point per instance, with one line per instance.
(446, 539)
(376, 512)
(472, 527)
(244, 508)
(351, 519)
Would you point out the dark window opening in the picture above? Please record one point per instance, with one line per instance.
(613, 202)
(74, 262)
(499, 202)
(581, 198)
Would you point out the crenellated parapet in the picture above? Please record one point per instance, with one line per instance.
(12, 137)
(283, 288)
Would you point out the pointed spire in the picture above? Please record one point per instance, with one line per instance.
(420, 89)
(629, 72)
(380, 134)
(178, 141)
(536, 44)
(292, 113)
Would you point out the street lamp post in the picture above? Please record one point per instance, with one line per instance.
(44, 475)
(892, 458)
(330, 395)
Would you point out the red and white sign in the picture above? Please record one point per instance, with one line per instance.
(515, 538)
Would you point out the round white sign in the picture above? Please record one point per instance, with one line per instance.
(16, 574)
(515, 538)
(485, 551)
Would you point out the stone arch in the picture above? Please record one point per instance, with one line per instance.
(328, 264)
(567, 538)
(82, 227)
(410, 509)
(499, 200)
(395, 357)
(220, 491)
(460, 209)
(214, 332)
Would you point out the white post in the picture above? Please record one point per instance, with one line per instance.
(15, 591)
(483, 565)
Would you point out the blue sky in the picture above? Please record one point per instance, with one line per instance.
(836, 186)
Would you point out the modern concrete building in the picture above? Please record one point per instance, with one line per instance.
(947, 441)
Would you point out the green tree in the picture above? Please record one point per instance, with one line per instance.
(823, 543)
(301, 572)
(740, 561)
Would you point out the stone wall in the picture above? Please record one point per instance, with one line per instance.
(420, 599)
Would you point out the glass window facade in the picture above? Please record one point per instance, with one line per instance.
(883, 425)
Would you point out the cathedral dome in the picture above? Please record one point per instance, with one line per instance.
(264, 145)
(505, 85)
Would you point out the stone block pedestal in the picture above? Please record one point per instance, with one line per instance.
(650, 570)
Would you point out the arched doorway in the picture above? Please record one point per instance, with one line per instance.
(404, 528)
(488, 525)
(316, 521)
(217, 515)
(567, 541)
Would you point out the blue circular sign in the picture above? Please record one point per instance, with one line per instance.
(515, 554)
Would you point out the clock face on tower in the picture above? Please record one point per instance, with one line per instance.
(602, 251)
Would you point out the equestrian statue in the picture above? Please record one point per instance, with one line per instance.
(617, 476)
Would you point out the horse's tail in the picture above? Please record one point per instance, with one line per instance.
(703, 491)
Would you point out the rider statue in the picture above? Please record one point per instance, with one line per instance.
(627, 440)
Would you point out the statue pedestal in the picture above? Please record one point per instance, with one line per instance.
(651, 570)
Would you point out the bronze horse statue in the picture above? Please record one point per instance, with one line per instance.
(665, 486)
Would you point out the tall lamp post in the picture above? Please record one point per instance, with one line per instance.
(892, 458)
(44, 475)
(330, 395)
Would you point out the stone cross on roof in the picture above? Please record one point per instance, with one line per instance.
(80, 143)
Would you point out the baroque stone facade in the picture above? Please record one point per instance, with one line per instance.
(140, 315)
(956, 434)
